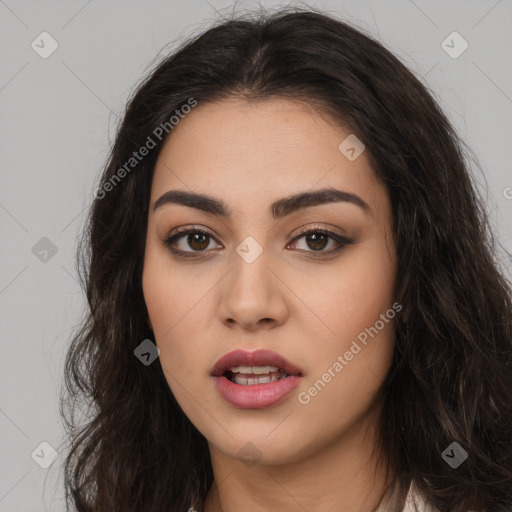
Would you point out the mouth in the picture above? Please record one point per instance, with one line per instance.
(253, 368)
(255, 380)
(252, 375)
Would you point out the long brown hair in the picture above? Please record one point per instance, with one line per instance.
(451, 378)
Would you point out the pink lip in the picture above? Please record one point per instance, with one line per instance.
(255, 358)
(257, 396)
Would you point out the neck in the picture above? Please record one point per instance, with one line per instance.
(344, 475)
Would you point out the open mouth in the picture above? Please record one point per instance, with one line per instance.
(255, 380)
(253, 375)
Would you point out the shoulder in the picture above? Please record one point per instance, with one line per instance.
(416, 501)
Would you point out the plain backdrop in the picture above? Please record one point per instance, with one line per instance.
(57, 120)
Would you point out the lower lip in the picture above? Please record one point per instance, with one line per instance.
(257, 396)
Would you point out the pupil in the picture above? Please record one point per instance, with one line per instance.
(192, 239)
(316, 236)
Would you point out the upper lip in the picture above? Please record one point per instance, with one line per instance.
(255, 358)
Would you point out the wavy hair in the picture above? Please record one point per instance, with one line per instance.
(451, 377)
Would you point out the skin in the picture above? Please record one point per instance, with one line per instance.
(318, 456)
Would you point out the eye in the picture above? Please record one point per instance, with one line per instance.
(318, 239)
(198, 240)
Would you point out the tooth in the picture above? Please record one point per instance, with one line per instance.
(244, 381)
(239, 379)
(241, 369)
(261, 370)
(254, 370)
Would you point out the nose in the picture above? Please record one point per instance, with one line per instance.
(253, 295)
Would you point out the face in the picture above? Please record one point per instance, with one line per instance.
(253, 280)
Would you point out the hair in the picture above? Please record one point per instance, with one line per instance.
(451, 375)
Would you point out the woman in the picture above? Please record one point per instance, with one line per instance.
(294, 303)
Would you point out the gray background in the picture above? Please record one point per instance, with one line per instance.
(58, 117)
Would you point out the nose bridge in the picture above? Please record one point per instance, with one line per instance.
(251, 292)
(250, 273)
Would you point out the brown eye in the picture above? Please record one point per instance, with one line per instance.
(317, 240)
(191, 242)
(198, 241)
(195, 239)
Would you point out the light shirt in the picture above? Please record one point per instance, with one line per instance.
(414, 502)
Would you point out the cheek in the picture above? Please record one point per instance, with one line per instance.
(171, 294)
(350, 296)
(176, 303)
(347, 374)
(353, 330)
(174, 308)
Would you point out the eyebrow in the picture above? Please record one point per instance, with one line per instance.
(279, 209)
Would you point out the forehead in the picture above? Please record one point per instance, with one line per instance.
(251, 151)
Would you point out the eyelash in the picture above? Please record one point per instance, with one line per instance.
(181, 232)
